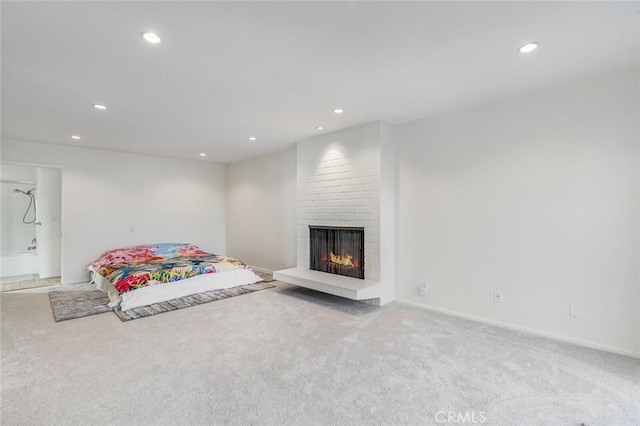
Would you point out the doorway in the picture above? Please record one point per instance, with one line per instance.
(31, 225)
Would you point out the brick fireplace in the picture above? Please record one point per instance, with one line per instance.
(346, 181)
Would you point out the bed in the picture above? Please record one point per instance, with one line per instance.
(142, 275)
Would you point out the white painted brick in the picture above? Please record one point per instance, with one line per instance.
(339, 185)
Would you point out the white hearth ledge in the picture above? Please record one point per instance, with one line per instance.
(338, 285)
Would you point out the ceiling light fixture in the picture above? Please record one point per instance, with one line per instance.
(151, 37)
(75, 137)
(338, 110)
(319, 127)
(252, 138)
(202, 154)
(528, 47)
(99, 106)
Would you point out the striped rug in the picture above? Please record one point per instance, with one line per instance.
(80, 301)
(187, 301)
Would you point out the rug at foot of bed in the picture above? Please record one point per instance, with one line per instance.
(187, 301)
(83, 301)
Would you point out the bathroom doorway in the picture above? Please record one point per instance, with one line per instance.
(31, 225)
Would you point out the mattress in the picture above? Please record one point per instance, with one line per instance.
(173, 290)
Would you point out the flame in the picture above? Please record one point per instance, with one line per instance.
(341, 259)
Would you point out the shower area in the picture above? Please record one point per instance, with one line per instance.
(30, 215)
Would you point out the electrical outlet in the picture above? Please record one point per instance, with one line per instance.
(424, 289)
(497, 296)
(575, 310)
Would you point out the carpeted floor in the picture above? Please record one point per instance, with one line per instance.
(291, 356)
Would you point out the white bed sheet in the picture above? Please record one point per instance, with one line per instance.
(173, 290)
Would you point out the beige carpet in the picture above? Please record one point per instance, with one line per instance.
(291, 356)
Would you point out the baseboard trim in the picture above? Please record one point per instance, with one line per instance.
(265, 270)
(533, 331)
(75, 282)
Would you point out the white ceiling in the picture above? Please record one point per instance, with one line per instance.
(228, 70)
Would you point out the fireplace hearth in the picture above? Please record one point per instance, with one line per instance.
(337, 250)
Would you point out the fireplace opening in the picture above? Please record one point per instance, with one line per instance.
(337, 250)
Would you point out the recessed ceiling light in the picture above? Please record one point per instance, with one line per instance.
(75, 137)
(202, 154)
(338, 110)
(99, 106)
(319, 127)
(151, 37)
(528, 47)
(252, 138)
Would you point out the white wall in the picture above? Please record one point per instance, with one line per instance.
(16, 172)
(105, 193)
(49, 231)
(537, 197)
(388, 209)
(261, 208)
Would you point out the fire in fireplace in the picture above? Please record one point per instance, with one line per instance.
(337, 250)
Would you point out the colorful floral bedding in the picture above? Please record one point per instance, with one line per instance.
(140, 266)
